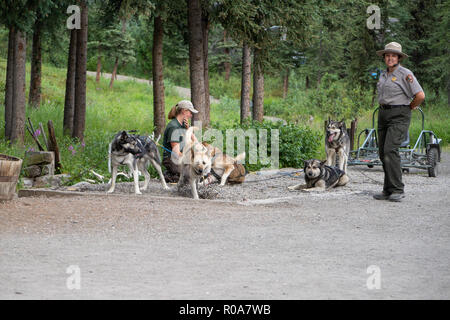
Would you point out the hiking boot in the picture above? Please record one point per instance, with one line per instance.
(396, 197)
(381, 196)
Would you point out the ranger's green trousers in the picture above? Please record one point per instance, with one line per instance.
(393, 127)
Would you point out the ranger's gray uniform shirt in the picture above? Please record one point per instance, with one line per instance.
(397, 88)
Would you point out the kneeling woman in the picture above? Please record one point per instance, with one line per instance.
(173, 142)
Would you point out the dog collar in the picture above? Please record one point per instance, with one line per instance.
(215, 174)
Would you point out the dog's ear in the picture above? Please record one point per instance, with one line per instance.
(342, 123)
(209, 149)
(124, 134)
(192, 151)
(305, 163)
(210, 152)
(322, 163)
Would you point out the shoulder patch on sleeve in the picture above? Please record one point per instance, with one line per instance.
(409, 78)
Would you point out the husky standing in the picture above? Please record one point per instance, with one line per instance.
(194, 163)
(137, 152)
(337, 144)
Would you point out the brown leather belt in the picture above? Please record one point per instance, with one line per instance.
(392, 106)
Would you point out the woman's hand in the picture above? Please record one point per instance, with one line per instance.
(176, 149)
(418, 99)
(186, 123)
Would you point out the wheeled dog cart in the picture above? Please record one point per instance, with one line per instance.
(426, 153)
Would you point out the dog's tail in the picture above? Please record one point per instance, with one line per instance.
(188, 140)
(189, 133)
(240, 157)
(109, 157)
(187, 147)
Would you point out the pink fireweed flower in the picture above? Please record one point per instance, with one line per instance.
(71, 148)
(37, 133)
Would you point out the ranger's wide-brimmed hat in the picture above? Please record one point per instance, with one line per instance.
(393, 47)
(186, 104)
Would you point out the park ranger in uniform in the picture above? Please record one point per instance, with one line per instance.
(399, 92)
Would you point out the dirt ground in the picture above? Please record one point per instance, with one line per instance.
(253, 241)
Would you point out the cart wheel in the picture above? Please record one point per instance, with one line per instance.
(432, 158)
(405, 170)
(370, 166)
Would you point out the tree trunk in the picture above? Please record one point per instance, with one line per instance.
(34, 98)
(99, 68)
(69, 103)
(258, 88)
(9, 85)
(159, 118)
(319, 64)
(114, 73)
(307, 82)
(448, 92)
(196, 59)
(286, 83)
(19, 100)
(246, 82)
(205, 29)
(79, 116)
(226, 64)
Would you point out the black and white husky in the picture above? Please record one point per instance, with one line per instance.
(320, 177)
(337, 144)
(136, 152)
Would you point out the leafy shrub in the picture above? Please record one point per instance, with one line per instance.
(296, 143)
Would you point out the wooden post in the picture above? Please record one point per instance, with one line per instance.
(43, 134)
(32, 132)
(53, 146)
(352, 133)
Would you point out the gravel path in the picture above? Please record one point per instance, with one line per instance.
(255, 241)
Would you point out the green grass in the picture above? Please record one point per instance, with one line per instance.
(128, 106)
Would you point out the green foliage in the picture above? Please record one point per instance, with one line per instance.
(296, 143)
(128, 106)
(438, 63)
(18, 13)
(333, 98)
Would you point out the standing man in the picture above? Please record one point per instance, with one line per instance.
(399, 92)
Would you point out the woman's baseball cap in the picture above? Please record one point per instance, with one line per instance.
(186, 104)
